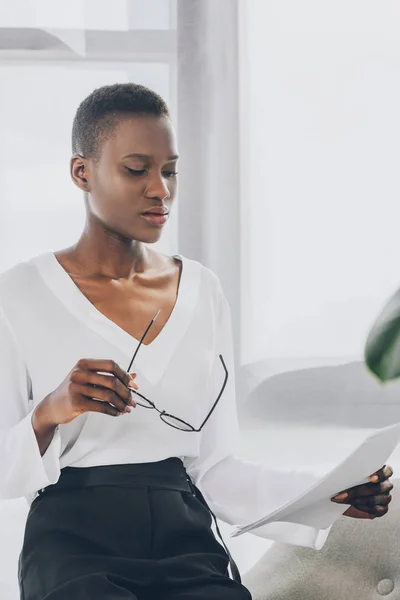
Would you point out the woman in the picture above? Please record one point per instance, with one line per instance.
(128, 332)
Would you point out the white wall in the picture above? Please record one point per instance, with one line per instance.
(320, 174)
(87, 14)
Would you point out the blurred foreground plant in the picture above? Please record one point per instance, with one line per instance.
(382, 349)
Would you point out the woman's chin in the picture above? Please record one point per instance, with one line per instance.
(138, 234)
(152, 241)
(148, 237)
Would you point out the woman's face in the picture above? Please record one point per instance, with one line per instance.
(135, 173)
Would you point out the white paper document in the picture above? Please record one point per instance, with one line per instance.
(314, 507)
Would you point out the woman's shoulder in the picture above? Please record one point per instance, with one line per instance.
(192, 268)
(208, 277)
(208, 283)
(18, 280)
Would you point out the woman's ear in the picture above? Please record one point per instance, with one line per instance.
(78, 170)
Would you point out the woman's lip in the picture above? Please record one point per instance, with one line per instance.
(155, 219)
(155, 212)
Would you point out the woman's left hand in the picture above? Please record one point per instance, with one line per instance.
(369, 500)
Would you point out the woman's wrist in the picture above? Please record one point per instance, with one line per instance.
(43, 426)
(42, 420)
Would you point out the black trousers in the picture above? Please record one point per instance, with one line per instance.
(123, 532)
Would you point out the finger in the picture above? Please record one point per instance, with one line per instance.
(385, 473)
(382, 499)
(132, 384)
(105, 366)
(102, 407)
(100, 393)
(367, 489)
(354, 513)
(106, 381)
(373, 511)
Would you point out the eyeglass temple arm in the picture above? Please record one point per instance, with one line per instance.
(219, 395)
(142, 340)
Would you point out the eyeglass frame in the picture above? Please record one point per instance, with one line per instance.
(163, 413)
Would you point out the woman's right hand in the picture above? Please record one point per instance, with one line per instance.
(93, 385)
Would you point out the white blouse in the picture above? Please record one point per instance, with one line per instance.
(47, 325)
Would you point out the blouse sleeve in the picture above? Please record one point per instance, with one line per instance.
(238, 491)
(23, 471)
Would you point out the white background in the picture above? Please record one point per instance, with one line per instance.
(320, 174)
(320, 91)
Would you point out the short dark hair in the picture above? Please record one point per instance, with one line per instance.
(98, 115)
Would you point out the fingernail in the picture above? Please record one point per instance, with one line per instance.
(128, 409)
(374, 478)
(340, 497)
(133, 375)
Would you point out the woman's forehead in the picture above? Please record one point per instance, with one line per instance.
(142, 135)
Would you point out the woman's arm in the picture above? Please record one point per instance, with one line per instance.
(240, 491)
(23, 469)
(44, 430)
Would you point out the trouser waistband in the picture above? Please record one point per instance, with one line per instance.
(165, 474)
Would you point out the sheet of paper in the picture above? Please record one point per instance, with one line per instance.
(314, 507)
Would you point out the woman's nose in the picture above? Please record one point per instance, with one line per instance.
(158, 188)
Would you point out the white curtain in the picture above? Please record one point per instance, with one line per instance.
(209, 205)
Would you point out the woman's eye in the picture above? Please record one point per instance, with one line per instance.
(170, 173)
(135, 172)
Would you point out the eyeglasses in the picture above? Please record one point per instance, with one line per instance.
(171, 420)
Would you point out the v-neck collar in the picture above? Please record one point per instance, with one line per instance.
(152, 359)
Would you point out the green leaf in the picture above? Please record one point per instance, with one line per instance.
(382, 349)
